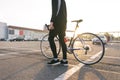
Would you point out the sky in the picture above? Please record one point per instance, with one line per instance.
(97, 15)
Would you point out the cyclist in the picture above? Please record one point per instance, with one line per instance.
(58, 27)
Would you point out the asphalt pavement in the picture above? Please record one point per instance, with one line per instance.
(24, 61)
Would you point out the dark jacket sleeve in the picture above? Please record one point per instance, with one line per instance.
(54, 9)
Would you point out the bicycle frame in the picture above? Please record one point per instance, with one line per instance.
(80, 45)
(76, 27)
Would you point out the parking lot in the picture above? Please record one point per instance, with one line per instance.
(24, 61)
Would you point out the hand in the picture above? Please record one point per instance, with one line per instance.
(51, 27)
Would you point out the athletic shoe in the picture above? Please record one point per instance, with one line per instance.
(65, 63)
(54, 62)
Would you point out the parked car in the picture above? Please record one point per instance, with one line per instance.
(17, 39)
(2, 39)
(96, 41)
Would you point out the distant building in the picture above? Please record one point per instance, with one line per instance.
(3, 31)
(24, 33)
(21, 33)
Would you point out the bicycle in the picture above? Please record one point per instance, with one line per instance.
(81, 46)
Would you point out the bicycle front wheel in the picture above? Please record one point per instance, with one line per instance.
(45, 47)
(88, 48)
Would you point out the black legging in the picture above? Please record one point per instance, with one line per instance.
(61, 35)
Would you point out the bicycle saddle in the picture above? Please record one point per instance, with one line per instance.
(78, 21)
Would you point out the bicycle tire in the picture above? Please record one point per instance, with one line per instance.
(45, 47)
(85, 51)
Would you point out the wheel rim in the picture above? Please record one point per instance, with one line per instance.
(89, 53)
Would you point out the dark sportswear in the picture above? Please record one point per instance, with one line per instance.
(59, 19)
(59, 14)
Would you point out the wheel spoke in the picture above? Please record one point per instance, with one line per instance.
(85, 51)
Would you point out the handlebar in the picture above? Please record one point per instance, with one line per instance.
(47, 26)
(77, 21)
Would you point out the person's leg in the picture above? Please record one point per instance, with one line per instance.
(52, 34)
(55, 60)
(62, 42)
(64, 50)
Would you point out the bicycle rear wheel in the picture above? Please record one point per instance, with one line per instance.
(45, 47)
(86, 50)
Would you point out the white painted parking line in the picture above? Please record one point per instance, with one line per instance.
(2, 54)
(70, 72)
(13, 53)
(113, 72)
(93, 57)
(111, 57)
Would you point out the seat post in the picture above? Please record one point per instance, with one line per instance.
(76, 25)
